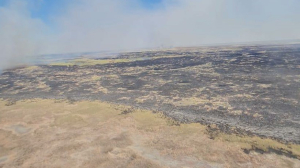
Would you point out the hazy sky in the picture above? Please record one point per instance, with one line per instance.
(31, 27)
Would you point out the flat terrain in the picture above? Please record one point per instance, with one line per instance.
(242, 89)
(61, 133)
(225, 106)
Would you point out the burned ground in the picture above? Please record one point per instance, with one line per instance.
(254, 89)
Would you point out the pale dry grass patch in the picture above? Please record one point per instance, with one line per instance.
(95, 134)
(88, 62)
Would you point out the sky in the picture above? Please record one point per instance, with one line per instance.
(35, 27)
(46, 9)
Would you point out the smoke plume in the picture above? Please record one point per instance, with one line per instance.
(97, 25)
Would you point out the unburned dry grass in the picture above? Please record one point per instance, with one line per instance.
(88, 62)
(99, 134)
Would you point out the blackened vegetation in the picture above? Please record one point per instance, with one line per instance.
(127, 111)
(253, 88)
(271, 150)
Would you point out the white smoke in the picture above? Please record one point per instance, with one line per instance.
(19, 34)
(96, 25)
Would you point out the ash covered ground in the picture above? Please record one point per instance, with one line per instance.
(243, 89)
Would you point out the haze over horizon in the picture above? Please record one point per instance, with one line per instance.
(33, 27)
